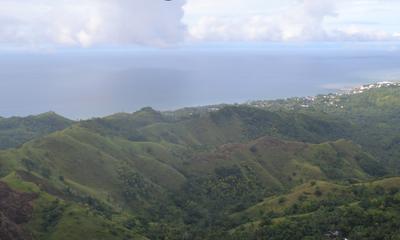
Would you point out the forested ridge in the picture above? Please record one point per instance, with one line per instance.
(320, 168)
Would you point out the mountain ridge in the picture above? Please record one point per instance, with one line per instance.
(208, 174)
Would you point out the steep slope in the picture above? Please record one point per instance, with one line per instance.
(373, 111)
(236, 176)
(322, 209)
(53, 215)
(101, 164)
(176, 184)
(15, 210)
(209, 175)
(106, 147)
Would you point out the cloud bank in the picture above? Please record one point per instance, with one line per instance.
(304, 21)
(159, 23)
(91, 22)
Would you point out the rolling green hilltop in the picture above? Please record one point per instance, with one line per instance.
(301, 168)
(15, 131)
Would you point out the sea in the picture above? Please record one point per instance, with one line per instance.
(82, 84)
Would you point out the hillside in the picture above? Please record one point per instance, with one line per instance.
(233, 172)
(357, 211)
(16, 131)
(372, 109)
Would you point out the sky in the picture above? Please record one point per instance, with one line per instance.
(49, 24)
(85, 58)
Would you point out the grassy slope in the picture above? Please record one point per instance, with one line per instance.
(373, 114)
(211, 161)
(97, 159)
(94, 161)
(56, 219)
(310, 196)
(280, 163)
(94, 153)
(376, 113)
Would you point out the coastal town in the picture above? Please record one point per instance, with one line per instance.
(334, 100)
(331, 101)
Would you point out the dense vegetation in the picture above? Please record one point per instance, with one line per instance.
(280, 171)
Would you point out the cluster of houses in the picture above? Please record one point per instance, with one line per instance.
(332, 100)
(372, 86)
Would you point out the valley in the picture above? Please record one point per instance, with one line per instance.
(297, 168)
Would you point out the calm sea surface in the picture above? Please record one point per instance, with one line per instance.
(98, 83)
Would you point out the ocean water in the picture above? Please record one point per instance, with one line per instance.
(84, 84)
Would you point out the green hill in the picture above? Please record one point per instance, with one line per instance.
(189, 172)
(16, 130)
(374, 114)
(55, 216)
(232, 172)
(316, 209)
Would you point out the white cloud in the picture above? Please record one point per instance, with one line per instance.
(44, 23)
(90, 22)
(302, 20)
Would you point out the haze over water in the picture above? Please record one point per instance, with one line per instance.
(98, 83)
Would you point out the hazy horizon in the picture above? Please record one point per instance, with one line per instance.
(88, 84)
